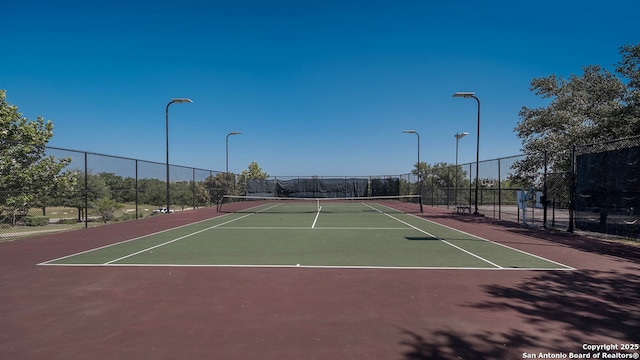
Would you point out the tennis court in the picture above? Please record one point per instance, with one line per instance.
(341, 233)
(377, 280)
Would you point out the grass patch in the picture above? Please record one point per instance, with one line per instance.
(59, 218)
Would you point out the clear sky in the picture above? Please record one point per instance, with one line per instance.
(316, 87)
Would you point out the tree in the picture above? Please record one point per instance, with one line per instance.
(74, 196)
(27, 176)
(629, 67)
(441, 175)
(106, 206)
(202, 195)
(225, 183)
(440, 179)
(421, 169)
(254, 171)
(60, 187)
(596, 106)
(152, 191)
(182, 194)
(219, 185)
(122, 189)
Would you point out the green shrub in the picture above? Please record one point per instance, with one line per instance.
(36, 220)
(126, 216)
(67, 221)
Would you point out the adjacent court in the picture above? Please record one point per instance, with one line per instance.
(363, 233)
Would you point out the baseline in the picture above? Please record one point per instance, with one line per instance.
(300, 266)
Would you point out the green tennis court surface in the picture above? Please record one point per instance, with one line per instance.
(353, 234)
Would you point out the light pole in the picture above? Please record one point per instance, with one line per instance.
(417, 166)
(472, 95)
(176, 100)
(458, 137)
(227, 146)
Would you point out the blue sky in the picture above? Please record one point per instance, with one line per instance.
(317, 87)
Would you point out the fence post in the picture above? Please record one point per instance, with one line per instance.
(470, 184)
(544, 191)
(499, 191)
(193, 186)
(137, 191)
(86, 191)
(572, 188)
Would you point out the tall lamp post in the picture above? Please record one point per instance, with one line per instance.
(417, 166)
(472, 95)
(178, 101)
(227, 147)
(458, 137)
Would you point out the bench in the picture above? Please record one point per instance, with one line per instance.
(463, 209)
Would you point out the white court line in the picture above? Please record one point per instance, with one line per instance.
(497, 267)
(443, 240)
(183, 237)
(496, 243)
(402, 222)
(174, 240)
(290, 266)
(487, 240)
(308, 228)
(316, 219)
(448, 243)
(134, 239)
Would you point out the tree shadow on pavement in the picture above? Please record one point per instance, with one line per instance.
(577, 241)
(551, 311)
(451, 345)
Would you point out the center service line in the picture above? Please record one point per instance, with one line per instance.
(316, 219)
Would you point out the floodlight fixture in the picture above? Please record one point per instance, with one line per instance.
(181, 100)
(464, 94)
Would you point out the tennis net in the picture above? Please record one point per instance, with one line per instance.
(258, 204)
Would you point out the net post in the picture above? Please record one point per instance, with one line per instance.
(420, 202)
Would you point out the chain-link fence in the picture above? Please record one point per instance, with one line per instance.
(89, 188)
(599, 191)
(607, 187)
(603, 184)
(92, 188)
(491, 192)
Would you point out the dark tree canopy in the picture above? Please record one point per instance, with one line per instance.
(28, 177)
(598, 105)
